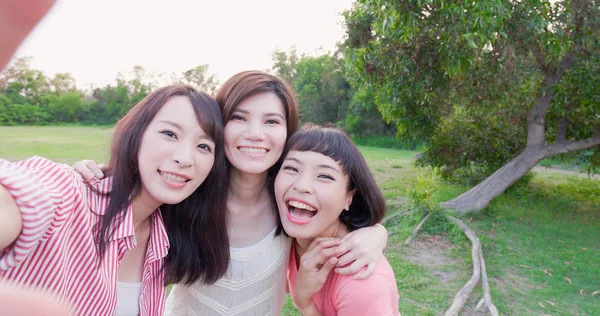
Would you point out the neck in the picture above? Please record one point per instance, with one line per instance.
(337, 230)
(247, 188)
(142, 209)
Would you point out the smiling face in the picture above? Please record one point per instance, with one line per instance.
(175, 154)
(255, 134)
(311, 190)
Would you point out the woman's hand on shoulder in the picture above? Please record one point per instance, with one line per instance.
(89, 169)
(365, 249)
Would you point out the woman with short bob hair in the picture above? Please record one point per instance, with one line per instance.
(324, 190)
(110, 247)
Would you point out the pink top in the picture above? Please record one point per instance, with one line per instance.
(56, 251)
(343, 295)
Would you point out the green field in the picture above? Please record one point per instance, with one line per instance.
(66, 144)
(541, 241)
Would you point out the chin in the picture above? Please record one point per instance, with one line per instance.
(254, 169)
(296, 232)
(169, 199)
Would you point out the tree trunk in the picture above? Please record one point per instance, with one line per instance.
(481, 195)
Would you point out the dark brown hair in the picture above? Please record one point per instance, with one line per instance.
(197, 226)
(368, 205)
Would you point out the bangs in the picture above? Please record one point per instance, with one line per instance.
(208, 115)
(330, 142)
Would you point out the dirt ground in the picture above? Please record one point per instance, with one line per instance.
(431, 252)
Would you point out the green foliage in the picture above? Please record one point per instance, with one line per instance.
(385, 142)
(363, 119)
(198, 77)
(466, 76)
(27, 96)
(325, 96)
(284, 64)
(321, 89)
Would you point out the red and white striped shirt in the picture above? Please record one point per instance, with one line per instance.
(56, 251)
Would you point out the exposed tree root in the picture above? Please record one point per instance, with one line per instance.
(479, 272)
(417, 229)
(479, 269)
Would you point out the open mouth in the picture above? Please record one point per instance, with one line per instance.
(172, 177)
(253, 150)
(301, 211)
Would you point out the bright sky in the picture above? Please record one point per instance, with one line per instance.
(96, 39)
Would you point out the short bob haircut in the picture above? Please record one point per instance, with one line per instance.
(368, 205)
(197, 226)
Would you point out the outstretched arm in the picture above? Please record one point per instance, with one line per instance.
(10, 219)
(35, 195)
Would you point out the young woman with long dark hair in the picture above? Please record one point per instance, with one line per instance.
(110, 247)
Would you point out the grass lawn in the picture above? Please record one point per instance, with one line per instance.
(540, 241)
(66, 144)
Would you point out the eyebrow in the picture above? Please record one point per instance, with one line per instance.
(268, 114)
(171, 123)
(204, 135)
(319, 166)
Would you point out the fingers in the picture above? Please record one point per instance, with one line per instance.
(88, 169)
(361, 275)
(351, 269)
(310, 262)
(320, 251)
(103, 168)
(86, 173)
(323, 242)
(348, 258)
(95, 168)
(324, 272)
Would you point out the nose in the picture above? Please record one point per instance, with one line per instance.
(303, 184)
(183, 156)
(255, 130)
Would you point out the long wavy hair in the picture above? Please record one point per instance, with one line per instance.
(197, 226)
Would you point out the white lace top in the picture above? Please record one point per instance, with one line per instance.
(253, 285)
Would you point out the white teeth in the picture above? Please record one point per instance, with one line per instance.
(301, 205)
(253, 150)
(172, 177)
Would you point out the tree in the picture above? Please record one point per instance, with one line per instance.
(284, 64)
(323, 92)
(22, 84)
(198, 77)
(63, 83)
(516, 79)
